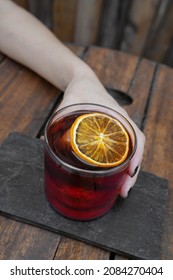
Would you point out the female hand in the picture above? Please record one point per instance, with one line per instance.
(88, 89)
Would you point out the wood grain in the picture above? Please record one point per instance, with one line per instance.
(140, 19)
(160, 38)
(169, 56)
(143, 29)
(64, 16)
(70, 249)
(112, 22)
(139, 91)
(87, 21)
(22, 3)
(22, 92)
(114, 69)
(20, 241)
(42, 10)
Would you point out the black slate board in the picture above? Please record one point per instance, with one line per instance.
(133, 227)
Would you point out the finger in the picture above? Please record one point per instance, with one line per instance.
(137, 158)
(128, 184)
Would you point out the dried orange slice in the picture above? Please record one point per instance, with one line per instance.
(99, 139)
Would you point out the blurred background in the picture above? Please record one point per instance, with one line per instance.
(140, 27)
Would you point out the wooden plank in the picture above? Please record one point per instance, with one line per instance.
(114, 69)
(158, 152)
(139, 91)
(22, 92)
(64, 13)
(87, 21)
(70, 249)
(20, 241)
(117, 257)
(140, 19)
(42, 10)
(113, 19)
(126, 74)
(169, 56)
(160, 41)
(22, 3)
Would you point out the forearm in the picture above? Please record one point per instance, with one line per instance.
(28, 41)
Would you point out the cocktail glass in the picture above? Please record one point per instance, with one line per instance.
(73, 189)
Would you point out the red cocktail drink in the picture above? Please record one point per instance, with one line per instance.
(75, 188)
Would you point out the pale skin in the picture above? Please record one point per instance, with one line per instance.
(29, 42)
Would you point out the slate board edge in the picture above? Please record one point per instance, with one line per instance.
(51, 229)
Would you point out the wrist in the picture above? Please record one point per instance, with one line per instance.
(72, 71)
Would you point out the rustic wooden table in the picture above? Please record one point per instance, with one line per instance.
(144, 88)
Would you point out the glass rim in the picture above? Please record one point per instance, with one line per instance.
(102, 172)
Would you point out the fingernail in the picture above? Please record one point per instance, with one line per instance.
(135, 171)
